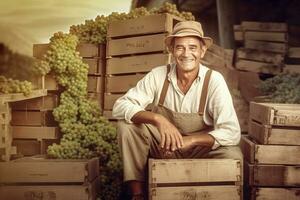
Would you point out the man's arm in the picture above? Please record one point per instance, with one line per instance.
(171, 139)
(220, 108)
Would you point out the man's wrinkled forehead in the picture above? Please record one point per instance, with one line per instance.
(190, 39)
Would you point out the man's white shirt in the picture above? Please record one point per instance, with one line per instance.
(219, 111)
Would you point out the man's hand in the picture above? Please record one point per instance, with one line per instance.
(171, 139)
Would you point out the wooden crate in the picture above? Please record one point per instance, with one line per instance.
(120, 84)
(266, 36)
(272, 175)
(27, 147)
(110, 99)
(136, 45)
(96, 66)
(159, 23)
(266, 46)
(263, 26)
(238, 33)
(270, 154)
(294, 52)
(33, 118)
(261, 56)
(85, 50)
(197, 178)
(108, 115)
(35, 132)
(258, 67)
(6, 148)
(48, 102)
(95, 84)
(47, 192)
(136, 64)
(275, 114)
(32, 147)
(266, 134)
(262, 193)
(291, 68)
(41, 170)
(225, 192)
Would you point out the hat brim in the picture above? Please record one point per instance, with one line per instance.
(168, 41)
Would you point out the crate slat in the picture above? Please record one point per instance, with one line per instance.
(136, 64)
(266, 46)
(258, 67)
(32, 118)
(275, 193)
(41, 170)
(263, 26)
(57, 192)
(260, 154)
(265, 134)
(196, 192)
(48, 102)
(273, 175)
(170, 171)
(159, 23)
(262, 56)
(85, 50)
(121, 83)
(266, 36)
(31, 132)
(136, 45)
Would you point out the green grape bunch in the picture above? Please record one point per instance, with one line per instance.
(8, 85)
(95, 31)
(283, 88)
(86, 133)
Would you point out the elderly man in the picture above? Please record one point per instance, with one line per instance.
(192, 116)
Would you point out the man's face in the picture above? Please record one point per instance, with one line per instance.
(187, 52)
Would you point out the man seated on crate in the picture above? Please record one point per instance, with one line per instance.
(192, 116)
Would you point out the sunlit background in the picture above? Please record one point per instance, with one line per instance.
(25, 22)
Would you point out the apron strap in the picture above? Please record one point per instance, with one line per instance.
(204, 92)
(165, 87)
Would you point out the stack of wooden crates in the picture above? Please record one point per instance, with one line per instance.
(134, 47)
(32, 178)
(264, 47)
(7, 148)
(272, 151)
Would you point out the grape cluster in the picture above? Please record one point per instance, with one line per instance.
(283, 88)
(95, 31)
(86, 133)
(172, 9)
(8, 85)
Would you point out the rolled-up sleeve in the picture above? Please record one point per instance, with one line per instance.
(136, 99)
(220, 107)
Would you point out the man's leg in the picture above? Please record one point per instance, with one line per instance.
(136, 141)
